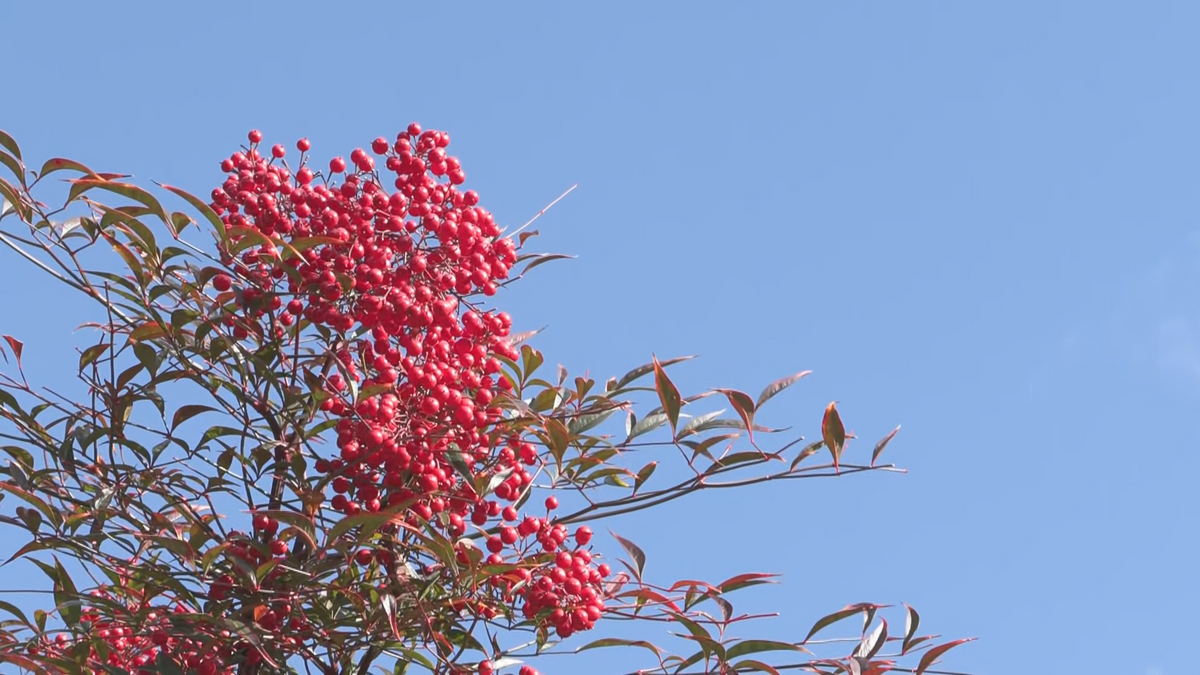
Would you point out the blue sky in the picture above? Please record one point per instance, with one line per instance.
(978, 220)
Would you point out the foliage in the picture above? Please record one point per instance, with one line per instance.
(315, 445)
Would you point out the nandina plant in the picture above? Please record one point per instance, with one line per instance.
(313, 443)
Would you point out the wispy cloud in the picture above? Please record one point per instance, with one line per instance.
(1157, 321)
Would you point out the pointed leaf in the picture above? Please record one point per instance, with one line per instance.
(871, 644)
(910, 627)
(187, 412)
(848, 611)
(744, 406)
(745, 580)
(834, 434)
(204, 209)
(668, 395)
(17, 346)
(755, 646)
(933, 654)
(883, 444)
(14, 165)
(638, 556)
(748, 665)
(777, 386)
(61, 164)
(125, 190)
(619, 642)
(9, 144)
(642, 371)
(643, 475)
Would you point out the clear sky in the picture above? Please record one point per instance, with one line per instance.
(978, 220)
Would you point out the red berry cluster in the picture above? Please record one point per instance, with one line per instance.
(400, 264)
(389, 266)
(136, 648)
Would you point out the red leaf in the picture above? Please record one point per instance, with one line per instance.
(639, 557)
(933, 654)
(883, 444)
(744, 406)
(667, 394)
(910, 628)
(745, 580)
(17, 347)
(848, 611)
(778, 386)
(834, 434)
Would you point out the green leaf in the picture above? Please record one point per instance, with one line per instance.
(647, 424)
(697, 424)
(14, 165)
(66, 596)
(808, 451)
(166, 665)
(777, 386)
(643, 475)
(148, 357)
(204, 209)
(9, 144)
(15, 611)
(91, 354)
(10, 195)
(126, 190)
(619, 642)
(61, 164)
(578, 425)
(187, 412)
(756, 646)
(531, 359)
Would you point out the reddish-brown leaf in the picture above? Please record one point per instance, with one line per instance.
(883, 444)
(744, 405)
(9, 144)
(17, 346)
(933, 654)
(911, 621)
(745, 580)
(668, 395)
(834, 434)
(636, 553)
(777, 386)
(848, 611)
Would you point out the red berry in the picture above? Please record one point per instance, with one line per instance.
(337, 165)
(278, 151)
(379, 145)
(551, 502)
(303, 145)
(583, 535)
(255, 136)
(222, 282)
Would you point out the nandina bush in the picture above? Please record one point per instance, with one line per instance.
(315, 444)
